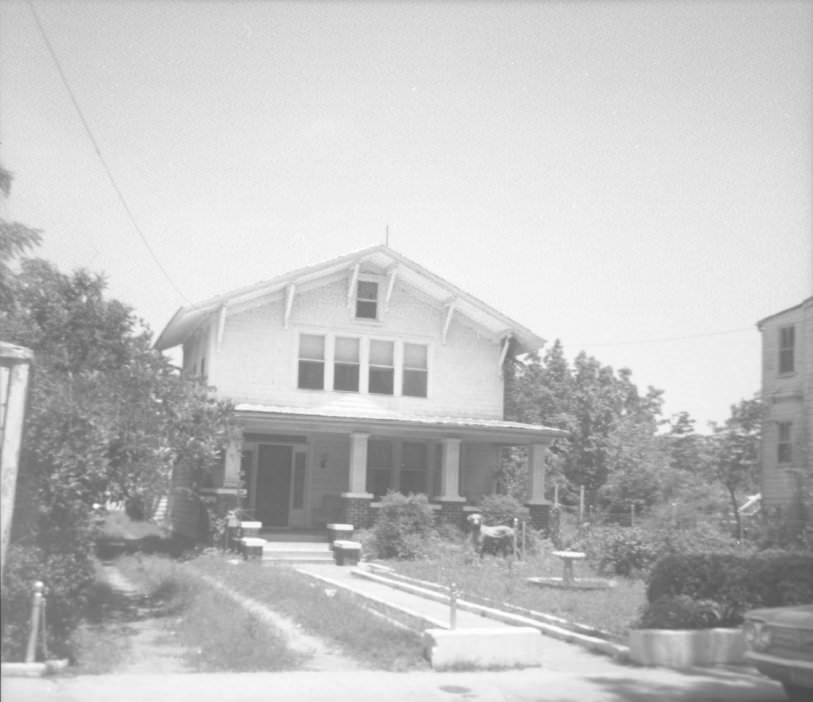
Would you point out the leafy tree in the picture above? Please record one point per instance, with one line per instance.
(734, 458)
(109, 418)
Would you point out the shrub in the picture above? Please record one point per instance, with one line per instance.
(621, 550)
(679, 612)
(736, 582)
(67, 578)
(404, 527)
(501, 509)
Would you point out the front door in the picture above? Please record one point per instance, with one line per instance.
(273, 485)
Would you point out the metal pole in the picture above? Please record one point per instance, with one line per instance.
(453, 606)
(36, 607)
(632, 514)
(581, 504)
(556, 494)
(523, 540)
(516, 527)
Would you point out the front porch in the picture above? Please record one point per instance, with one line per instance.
(297, 470)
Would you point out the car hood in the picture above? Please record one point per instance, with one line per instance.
(800, 617)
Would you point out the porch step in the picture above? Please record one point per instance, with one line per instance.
(297, 551)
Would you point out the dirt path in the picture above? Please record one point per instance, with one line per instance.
(152, 647)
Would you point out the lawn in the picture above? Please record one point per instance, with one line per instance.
(500, 580)
(334, 615)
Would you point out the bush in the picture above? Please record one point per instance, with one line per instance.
(67, 578)
(679, 612)
(501, 509)
(736, 582)
(404, 527)
(621, 550)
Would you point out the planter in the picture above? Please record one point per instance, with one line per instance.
(339, 531)
(682, 648)
(346, 552)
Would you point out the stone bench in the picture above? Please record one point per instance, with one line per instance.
(346, 552)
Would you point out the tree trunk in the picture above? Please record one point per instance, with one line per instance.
(736, 509)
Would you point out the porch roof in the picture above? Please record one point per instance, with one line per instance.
(346, 421)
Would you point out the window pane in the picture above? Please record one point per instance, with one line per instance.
(312, 346)
(312, 375)
(414, 383)
(415, 356)
(414, 456)
(378, 482)
(381, 381)
(346, 377)
(367, 290)
(366, 309)
(347, 350)
(381, 353)
(379, 454)
(413, 481)
(784, 431)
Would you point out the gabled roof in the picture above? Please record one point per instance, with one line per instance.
(762, 321)
(187, 319)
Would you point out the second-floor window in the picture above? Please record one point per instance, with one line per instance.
(346, 364)
(367, 299)
(415, 370)
(311, 361)
(382, 367)
(784, 452)
(786, 343)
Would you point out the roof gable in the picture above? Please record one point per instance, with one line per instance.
(381, 260)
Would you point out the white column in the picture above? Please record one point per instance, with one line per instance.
(536, 473)
(234, 457)
(357, 482)
(450, 472)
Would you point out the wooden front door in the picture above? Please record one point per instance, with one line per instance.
(273, 497)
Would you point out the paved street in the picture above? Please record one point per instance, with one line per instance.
(624, 683)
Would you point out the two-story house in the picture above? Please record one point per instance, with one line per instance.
(787, 391)
(363, 374)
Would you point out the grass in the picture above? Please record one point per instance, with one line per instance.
(499, 580)
(216, 632)
(333, 615)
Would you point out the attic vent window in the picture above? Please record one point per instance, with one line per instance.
(367, 300)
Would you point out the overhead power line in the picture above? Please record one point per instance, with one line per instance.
(665, 340)
(101, 158)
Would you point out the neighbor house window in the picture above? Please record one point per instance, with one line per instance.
(367, 299)
(787, 337)
(415, 370)
(413, 468)
(346, 364)
(379, 467)
(312, 361)
(784, 454)
(382, 368)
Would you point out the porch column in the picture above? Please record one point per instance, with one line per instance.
(451, 503)
(538, 506)
(234, 457)
(356, 501)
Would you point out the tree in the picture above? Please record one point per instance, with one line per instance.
(109, 419)
(734, 458)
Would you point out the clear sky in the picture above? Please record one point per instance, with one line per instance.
(634, 178)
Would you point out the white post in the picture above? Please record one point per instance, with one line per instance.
(14, 366)
(581, 504)
(231, 469)
(36, 613)
(536, 473)
(450, 471)
(357, 479)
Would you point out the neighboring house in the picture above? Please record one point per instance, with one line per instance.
(787, 391)
(363, 374)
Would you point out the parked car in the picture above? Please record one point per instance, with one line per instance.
(780, 645)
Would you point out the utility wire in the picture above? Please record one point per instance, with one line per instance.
(99, 153)
(671, 338)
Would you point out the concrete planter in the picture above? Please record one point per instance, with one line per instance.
(346, 552)
(682, 648)
(339, 532)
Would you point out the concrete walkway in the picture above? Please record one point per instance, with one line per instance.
(557, 655)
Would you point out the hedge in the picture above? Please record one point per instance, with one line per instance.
(736, 583)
